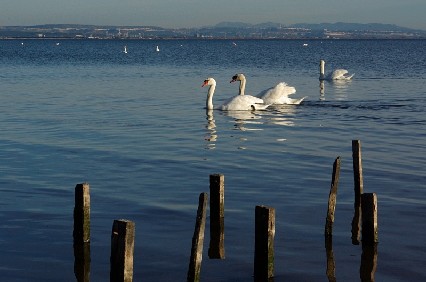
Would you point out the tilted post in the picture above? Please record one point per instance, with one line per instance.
(196, 258)
(332, 198)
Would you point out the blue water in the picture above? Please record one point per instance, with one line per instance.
(133, 126)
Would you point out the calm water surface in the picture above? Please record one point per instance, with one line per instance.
(133, 126)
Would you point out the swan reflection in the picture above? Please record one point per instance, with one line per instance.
(339, 88)
(244, 119)
(283, 115)
(211, 135)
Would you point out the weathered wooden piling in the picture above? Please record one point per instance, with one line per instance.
(358, 189)
(194, 269)
(264, 243)
(332, 198)
(122, 248)
(357, 167)
(81, 231)
(217, 217)
(370, 233)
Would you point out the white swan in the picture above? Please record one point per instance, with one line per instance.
(277, 95)
(125, 50)
(338, 74)
(237, 103)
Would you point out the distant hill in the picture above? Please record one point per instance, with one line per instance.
(339, 26)
(232, 25)
(247, 25)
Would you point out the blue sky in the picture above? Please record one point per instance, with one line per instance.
(197, 13)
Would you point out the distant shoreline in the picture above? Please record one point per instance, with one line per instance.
(207, 39)
(230, 31)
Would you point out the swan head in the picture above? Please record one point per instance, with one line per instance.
(238, 77)
(209, 81)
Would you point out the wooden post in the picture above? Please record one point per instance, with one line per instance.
(357, 167)
(264, 243)
(194, 269)
(122, 248)
(369, 219)
(217, 217)
(358, 189)
(81, 232)
(332, 198)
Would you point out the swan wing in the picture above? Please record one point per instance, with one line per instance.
(295, 101)
(341, 74)
(278, 94)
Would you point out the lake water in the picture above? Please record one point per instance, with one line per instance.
(133, 126)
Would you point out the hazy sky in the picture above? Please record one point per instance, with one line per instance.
(197, 13)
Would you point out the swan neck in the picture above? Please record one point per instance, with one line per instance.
(242, 86)
(322, 69)
(209, 101)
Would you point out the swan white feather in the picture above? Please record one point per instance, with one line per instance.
(338, 74)
(277, 95)
(236, 103)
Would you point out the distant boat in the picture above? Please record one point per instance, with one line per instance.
(125, 50)
(158, 49)
(57, 44)
(305, 44)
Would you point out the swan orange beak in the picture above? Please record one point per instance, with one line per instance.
(205, 83)
(234, 78)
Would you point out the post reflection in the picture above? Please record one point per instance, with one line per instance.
(82, 261)
(331, 264)
(368, 262)
(211, 135)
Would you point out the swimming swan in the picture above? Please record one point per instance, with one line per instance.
(338, 74)
(277, 95)
(237, 103)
